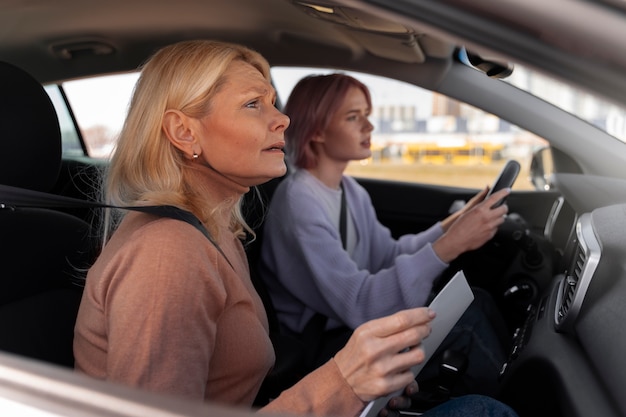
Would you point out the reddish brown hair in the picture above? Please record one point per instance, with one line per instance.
(310, 107)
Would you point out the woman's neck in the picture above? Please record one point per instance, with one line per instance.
(329, 172)
(217, 192)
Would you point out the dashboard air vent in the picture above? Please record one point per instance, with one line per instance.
(577, 278)
(568, 288)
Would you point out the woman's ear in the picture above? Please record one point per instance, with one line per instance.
(319, 138)
(177, 128)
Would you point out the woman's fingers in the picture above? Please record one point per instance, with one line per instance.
(378, 358)
(402, 402)
(480, 196)
(496, 197)
(472, 229)
(395, 324)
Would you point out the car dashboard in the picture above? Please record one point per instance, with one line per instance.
(567, 358)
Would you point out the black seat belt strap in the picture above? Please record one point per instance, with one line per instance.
(22, 197)
(343, 219)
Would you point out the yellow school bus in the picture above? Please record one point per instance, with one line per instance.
(454, 153)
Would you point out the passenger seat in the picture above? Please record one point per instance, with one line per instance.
(44, 253)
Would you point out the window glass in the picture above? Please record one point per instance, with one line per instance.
(100, 105)
(603, 114)
(419, 136)
(426, 137)
(69, 137)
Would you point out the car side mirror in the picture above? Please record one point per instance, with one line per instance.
(541, 169)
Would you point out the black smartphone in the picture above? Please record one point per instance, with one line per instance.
(505, 179)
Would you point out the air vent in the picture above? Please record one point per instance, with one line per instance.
(578, 276)
(568, 289)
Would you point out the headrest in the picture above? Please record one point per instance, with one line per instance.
(30, 137)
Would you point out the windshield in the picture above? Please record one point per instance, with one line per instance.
(601, 113)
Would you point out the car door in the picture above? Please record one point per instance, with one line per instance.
(411, 207)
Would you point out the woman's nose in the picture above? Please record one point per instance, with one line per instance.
(282, 120)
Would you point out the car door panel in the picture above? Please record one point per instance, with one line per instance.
(411, 207)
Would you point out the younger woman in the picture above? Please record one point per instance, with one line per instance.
(315, 269)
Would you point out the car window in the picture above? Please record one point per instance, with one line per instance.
(603, 114)
(426, 137)
(419, 136)
(99, 105)
(70, 140)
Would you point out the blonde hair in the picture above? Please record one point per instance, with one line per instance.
(146, 169)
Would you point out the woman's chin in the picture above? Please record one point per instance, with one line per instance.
(271, 174)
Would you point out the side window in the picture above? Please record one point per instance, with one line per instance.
(419, 136)
(99, 105)
(70, 139)
(422, 136)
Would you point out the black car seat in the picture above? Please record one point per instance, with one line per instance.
(290, 352)
(43, 252)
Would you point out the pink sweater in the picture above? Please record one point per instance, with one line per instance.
(163, 310)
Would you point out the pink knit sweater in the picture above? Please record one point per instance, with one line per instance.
(163, 310)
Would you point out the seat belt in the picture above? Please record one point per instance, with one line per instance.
(343, 219)
(11, 197)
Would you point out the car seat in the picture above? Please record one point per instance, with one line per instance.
(290, 352)
(43, 252)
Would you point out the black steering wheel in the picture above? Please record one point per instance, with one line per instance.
(505, 179)
(484, 265)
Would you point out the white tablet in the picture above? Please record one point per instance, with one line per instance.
(449, 304)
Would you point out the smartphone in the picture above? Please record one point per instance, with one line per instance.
(505, 179)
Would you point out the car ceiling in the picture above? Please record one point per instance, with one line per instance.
(73, 38)
(117, 35)
(66, 39)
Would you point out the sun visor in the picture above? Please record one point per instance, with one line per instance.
(380, 37)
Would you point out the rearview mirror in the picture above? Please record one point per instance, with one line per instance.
(493, 68)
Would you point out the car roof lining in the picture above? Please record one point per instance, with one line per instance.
(287, 36)
(276, 22)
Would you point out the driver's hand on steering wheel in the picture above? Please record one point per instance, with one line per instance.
(445, 224)
(476, 224)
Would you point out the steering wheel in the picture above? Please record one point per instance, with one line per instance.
(505, 179)
(483, 266)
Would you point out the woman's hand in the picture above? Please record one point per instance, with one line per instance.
(402, 402)
(447, 222)
(377, 359)
(473, 228)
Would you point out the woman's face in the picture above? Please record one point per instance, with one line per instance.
(348, 134)
(242, 137)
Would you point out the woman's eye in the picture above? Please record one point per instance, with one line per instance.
(253, 104)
